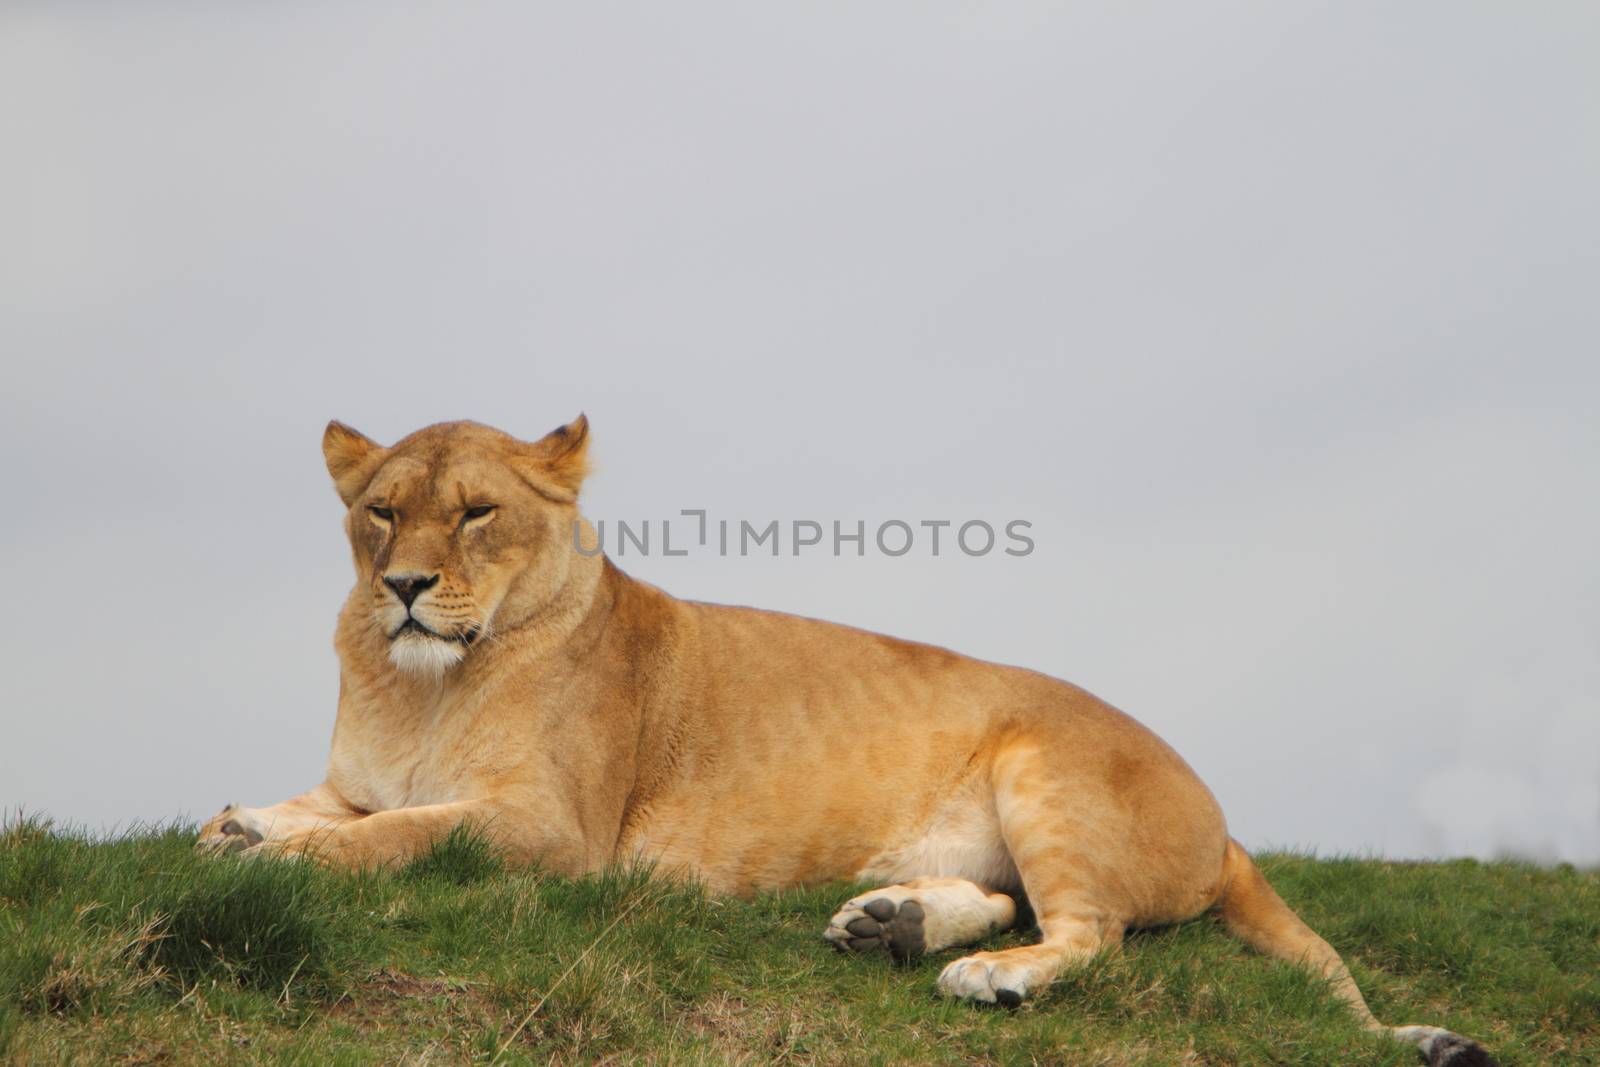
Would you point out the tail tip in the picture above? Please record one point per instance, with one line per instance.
(1453, 1050)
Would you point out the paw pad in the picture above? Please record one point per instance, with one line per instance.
(229, 830)
(881, 925)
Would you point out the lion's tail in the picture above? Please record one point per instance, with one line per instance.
(1256, 914)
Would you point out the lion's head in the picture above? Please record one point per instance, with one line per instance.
(457, 530)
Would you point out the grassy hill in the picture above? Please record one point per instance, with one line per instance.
(135, 950)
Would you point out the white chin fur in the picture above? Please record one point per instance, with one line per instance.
(417, 653)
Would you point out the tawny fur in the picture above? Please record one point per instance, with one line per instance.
(582, 718)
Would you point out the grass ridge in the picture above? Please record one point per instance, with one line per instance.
(131, 948)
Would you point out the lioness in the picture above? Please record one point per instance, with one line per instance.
(491, 672)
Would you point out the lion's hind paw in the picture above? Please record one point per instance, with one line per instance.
(881, 921)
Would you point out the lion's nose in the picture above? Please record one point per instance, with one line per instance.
(409, 586)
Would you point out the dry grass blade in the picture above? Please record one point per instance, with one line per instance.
(601, 936)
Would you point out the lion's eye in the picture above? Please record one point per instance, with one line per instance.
(477, 513)
(381, 513)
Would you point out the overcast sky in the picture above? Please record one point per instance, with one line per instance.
(1278, 321)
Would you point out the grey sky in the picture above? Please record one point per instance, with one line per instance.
(1277, 321)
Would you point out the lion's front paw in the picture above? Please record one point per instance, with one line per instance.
(290, 850)
(233, 829)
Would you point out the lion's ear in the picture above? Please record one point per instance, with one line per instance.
(353, 459)
(557, 463)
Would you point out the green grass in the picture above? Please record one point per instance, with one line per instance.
(134, 949)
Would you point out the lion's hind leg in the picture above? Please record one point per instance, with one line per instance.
(1073, 862)
(919, 916)
(1006, 977)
